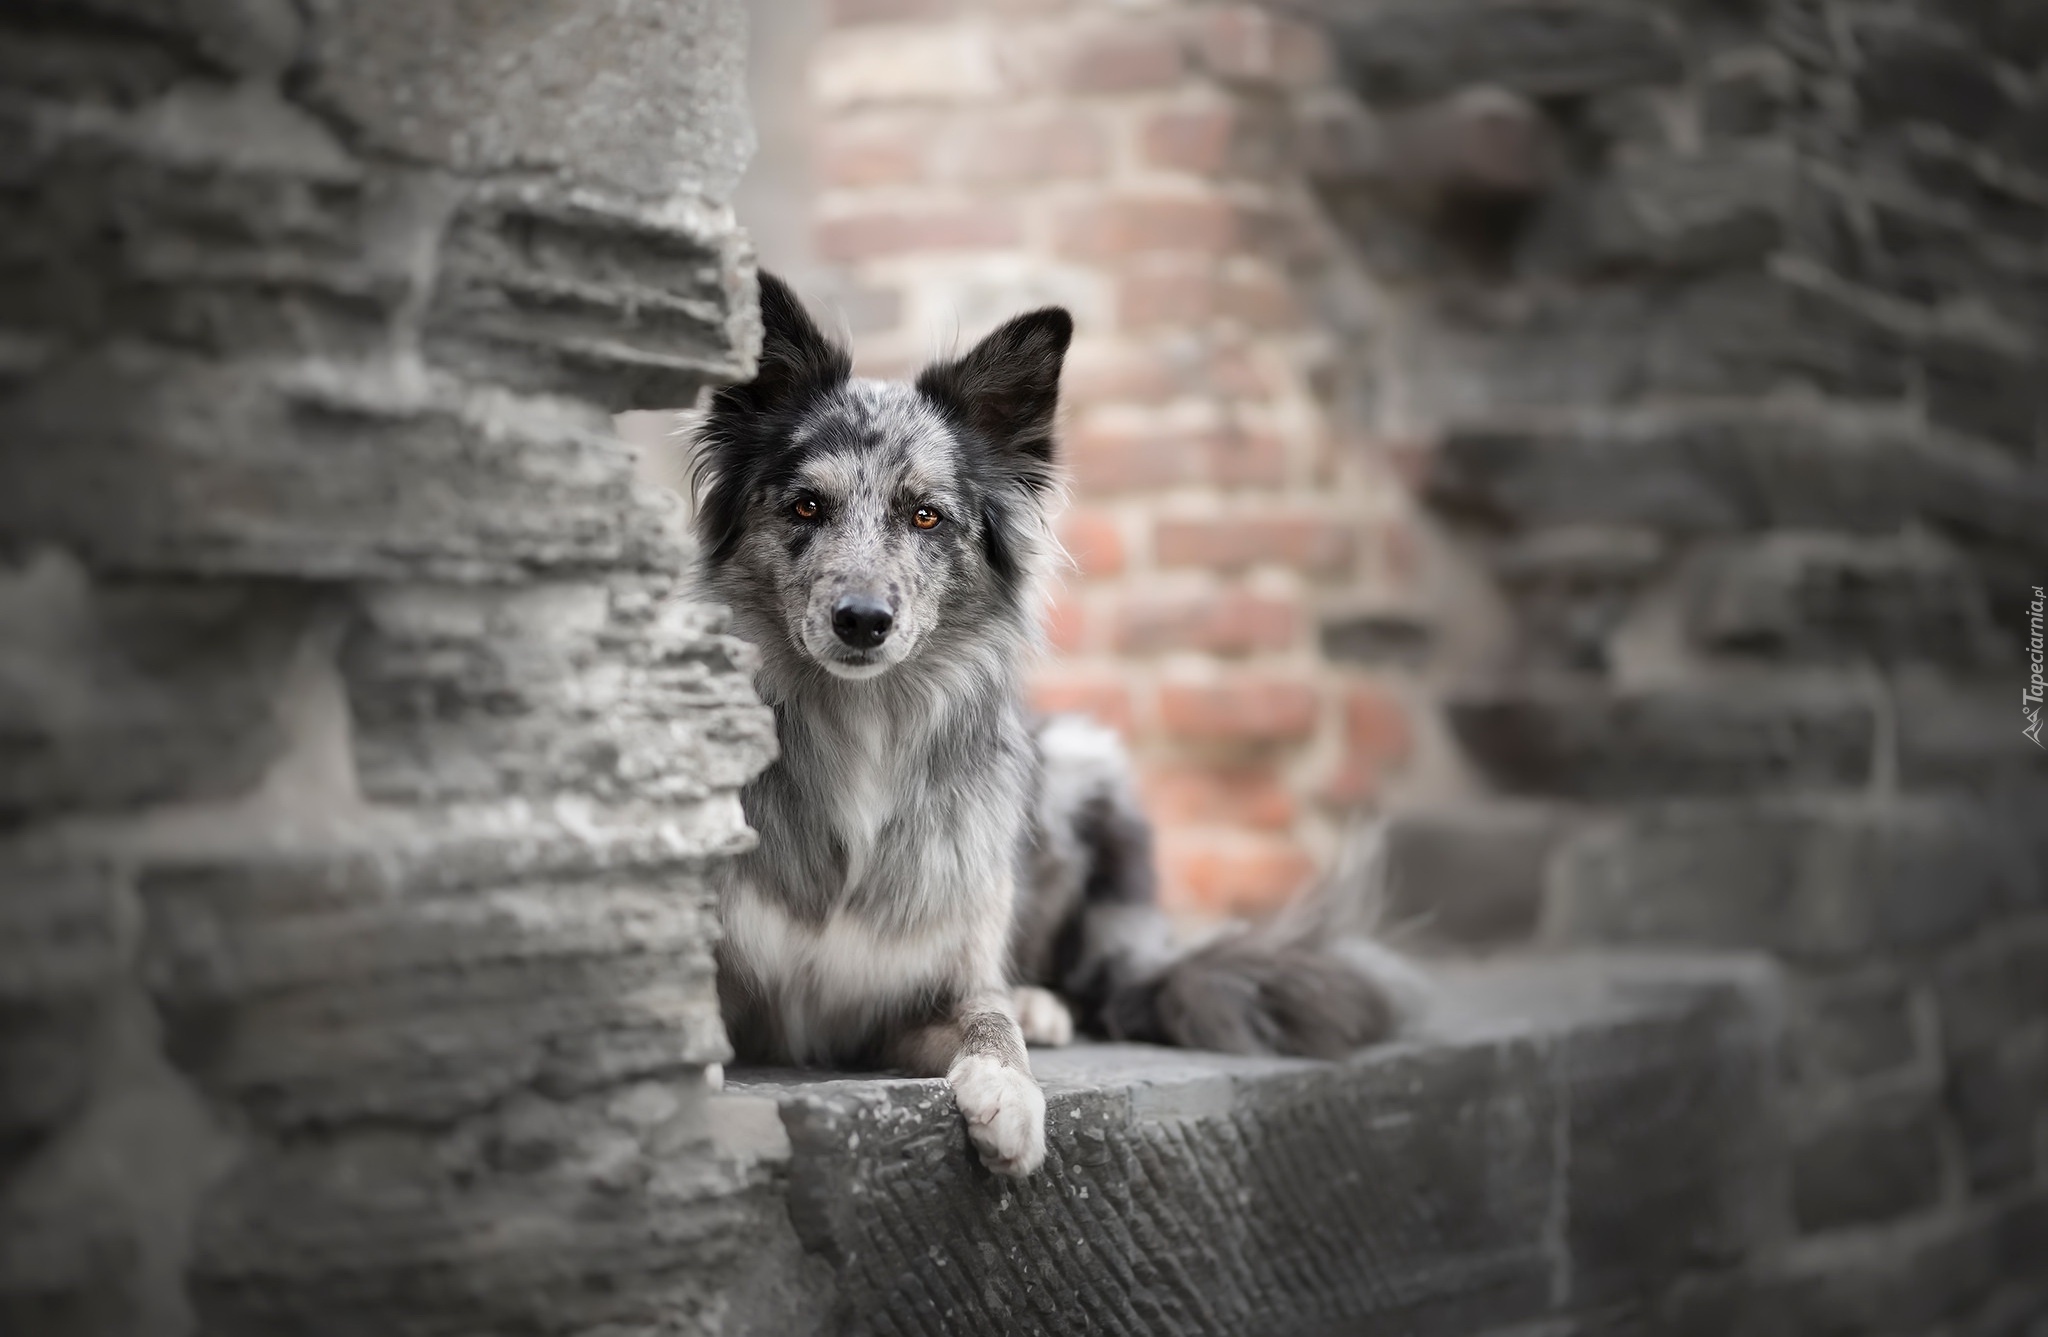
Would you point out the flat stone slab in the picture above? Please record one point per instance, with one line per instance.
(1563, 1140)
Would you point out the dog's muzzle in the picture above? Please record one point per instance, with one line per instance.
(862, 622)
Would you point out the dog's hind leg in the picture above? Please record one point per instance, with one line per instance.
(1042, 1017)
(980, 1052)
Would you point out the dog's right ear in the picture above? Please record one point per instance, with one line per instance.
(738, 437)
(797, 360)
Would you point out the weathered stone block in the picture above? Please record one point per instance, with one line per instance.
(146, 460)
(1720, 207)
(645, 98)
(1908, 1280)
(1866, 1165)
(631, 307)
(1410, 49)
(1675, 1163)
(241, 226)
(63, 941)
(1573, 586)
(1965, 733)
(546, 689)
(117, 694)
(1997, 1096)
(1841, 1030)
(1733, 469)
(1470, 874)
(613, 1211)
(1816, 880)
(420, 968)
(1821, 597)
(1745, 92)
(1919, 71)
(1203, 1193)
(1593, 742)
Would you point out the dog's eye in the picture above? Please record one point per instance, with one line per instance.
(924, 517)
(806, 508)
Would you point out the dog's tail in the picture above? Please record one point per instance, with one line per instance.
(1312, 981)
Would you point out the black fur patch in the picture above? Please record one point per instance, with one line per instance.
(738, 441)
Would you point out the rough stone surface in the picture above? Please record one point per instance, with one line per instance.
(1199, 1193)
(1579, 742)
(361, 766)
(1470, 875)
(1414, 48)
(1822, 879)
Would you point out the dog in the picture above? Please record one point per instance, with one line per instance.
(941, 879)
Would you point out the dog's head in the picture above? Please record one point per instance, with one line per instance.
(856, 516)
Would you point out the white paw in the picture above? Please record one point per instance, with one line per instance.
(1042, 1017)
(1005, 1113)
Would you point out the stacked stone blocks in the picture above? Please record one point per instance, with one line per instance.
(362, 764)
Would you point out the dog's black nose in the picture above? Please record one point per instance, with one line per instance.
(861, 622)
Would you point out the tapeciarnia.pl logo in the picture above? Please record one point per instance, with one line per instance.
(2030, 699)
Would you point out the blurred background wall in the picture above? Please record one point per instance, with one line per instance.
(1558, 400)
(1608, 440)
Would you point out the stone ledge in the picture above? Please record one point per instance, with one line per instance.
(1566, 1140)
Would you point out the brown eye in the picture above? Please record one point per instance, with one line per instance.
(924, 517)
(806, 508)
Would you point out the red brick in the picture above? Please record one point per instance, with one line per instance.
(1249, 458)
(1101, 697)
(1231, 874)
(1305, 541)
(1132, 225)
(1066, 623)
(1116, 458)
(1189, 138)
(1261, 299)
(1232, 372)
(1377, 740)
(1032, 147)
(1188, 795)
(1400, 550)
(946, 227)
(1124, 58)
(1249, 709)
(1093, 541)
(854, 153)
(1119, 374)
(1251, 45)
(1228, 622)
(1174, 296)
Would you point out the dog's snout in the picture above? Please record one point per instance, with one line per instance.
(862, 621)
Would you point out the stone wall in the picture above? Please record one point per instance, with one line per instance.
(1735, 384)
(358, 766)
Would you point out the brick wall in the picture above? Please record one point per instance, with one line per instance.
(970, 160)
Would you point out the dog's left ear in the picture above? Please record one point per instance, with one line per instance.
(1005, 389)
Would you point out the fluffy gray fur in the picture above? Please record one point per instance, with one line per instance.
(931, 862)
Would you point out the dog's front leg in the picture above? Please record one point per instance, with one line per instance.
(980, 1051)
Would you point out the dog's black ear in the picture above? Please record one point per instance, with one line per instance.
(797, 360)
(1006, 388)
(737, 439)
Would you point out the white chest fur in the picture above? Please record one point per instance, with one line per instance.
(829, 982)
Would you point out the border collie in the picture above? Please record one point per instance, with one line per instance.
(941, 879)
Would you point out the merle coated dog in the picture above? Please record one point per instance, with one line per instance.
(940, 879)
